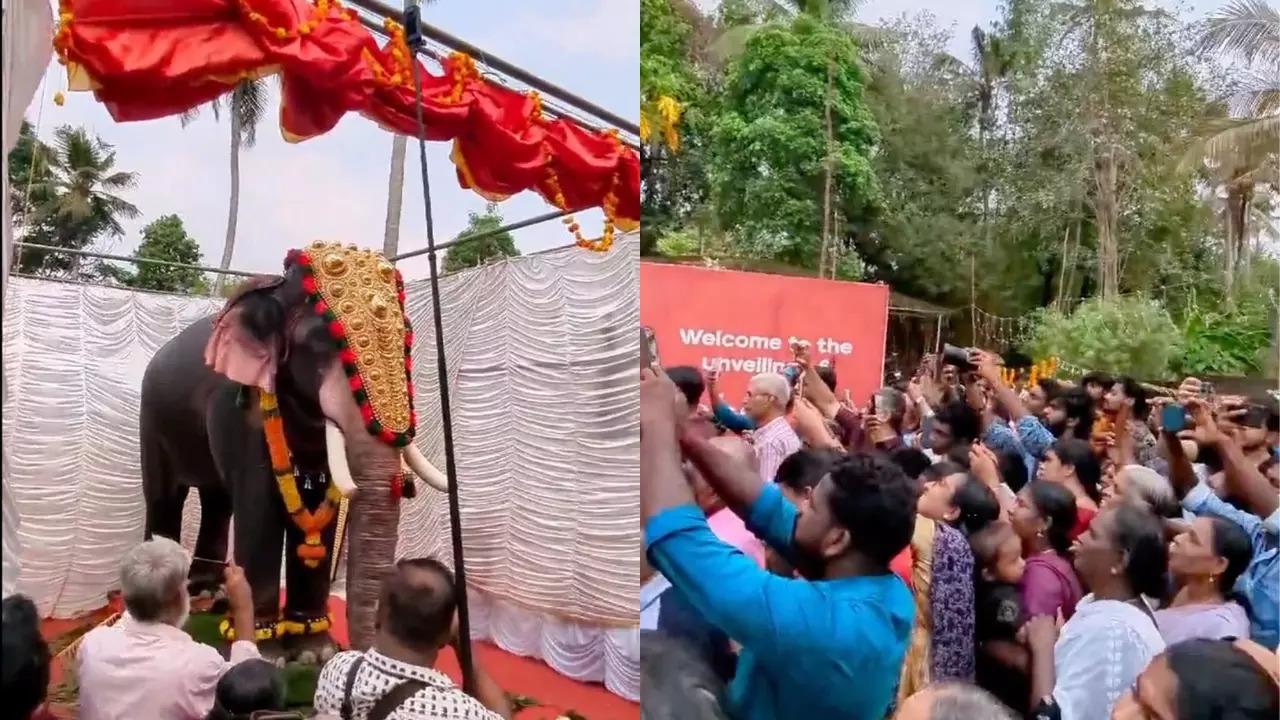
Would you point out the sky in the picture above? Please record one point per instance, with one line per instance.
(962, 15)
(334, 187)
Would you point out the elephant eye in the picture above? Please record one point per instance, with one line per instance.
(311, 336)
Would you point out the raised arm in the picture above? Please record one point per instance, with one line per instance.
(1034, 438)
(736, 483)
(663, 486)
(720, 410)
(1243, 480)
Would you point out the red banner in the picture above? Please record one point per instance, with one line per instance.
(742, 323)
(147, 59)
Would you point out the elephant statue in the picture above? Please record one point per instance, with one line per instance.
(292, 404)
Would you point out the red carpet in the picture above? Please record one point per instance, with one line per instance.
(557, 694)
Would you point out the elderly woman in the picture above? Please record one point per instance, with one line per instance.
(1080, 670)
(1146, 488)
(146, 665)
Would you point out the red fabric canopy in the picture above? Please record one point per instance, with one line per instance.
(147, 59)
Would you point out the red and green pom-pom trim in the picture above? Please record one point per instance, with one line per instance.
(348, 356)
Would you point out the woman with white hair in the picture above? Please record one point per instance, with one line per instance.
(146, 665)
(1144, 487)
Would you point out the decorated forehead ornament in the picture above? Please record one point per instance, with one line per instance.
(361, 296)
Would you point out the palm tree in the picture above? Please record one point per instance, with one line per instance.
(248, 105)
(980, 79)
(1239, 148)
(395, 196)
(395, 187)
(76, 202)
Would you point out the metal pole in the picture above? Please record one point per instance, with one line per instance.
(126, 258)
(535, 220)
(413, 38)
(504, 67)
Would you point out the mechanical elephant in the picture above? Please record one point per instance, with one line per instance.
(293, 403)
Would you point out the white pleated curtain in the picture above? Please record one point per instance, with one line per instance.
(542, 354)
(27, 50)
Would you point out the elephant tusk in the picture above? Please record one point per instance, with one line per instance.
(424, 469)
(335, 445)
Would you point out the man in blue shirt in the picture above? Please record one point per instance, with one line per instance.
(1260, 582)
(829, 646)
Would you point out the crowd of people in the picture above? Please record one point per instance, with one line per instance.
(958, 548)
(145, 665)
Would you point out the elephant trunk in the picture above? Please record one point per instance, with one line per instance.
(372, 532)
(374, 528)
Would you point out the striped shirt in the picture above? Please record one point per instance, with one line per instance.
(773, 443)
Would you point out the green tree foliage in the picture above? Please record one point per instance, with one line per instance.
(768, 140)
(1130, 335)
(1234, 338)
(479, 252)
(165, 239)
(66, 194)
(1080, 149)
(674, 183)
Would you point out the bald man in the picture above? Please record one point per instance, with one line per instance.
(766, 404)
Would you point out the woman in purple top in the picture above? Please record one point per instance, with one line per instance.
(1205, 561)
(1043, 517)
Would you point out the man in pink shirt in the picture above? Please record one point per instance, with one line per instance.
(145, 665)
(724, 522)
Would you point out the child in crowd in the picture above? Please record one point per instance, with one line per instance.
(1000, 659)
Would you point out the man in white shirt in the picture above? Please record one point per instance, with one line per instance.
(396, 678)
(146, 665)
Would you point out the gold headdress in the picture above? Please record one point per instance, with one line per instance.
(361, 295)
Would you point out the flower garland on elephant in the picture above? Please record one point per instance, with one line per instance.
(340, 270)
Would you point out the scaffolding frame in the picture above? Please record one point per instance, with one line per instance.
(417, 33)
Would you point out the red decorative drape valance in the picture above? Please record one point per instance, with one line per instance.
(147, 59)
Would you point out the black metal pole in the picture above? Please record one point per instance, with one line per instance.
(126, 258)
(413, 37)
(513, 71)
(462, 239)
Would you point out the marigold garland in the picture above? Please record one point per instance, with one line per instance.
(104, 48)
(312, 523)
(609, 206)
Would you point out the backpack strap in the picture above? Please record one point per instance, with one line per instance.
(347, 711)
(394, 698)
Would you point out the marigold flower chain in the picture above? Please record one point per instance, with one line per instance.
(312, 524)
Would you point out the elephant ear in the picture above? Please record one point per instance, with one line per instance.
(245, 345)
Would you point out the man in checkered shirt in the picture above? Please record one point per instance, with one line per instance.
(395, 679)
(766, 404)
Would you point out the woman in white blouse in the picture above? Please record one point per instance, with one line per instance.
(1080, 669)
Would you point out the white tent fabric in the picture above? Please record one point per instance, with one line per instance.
(542, 354)
(28, 28)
